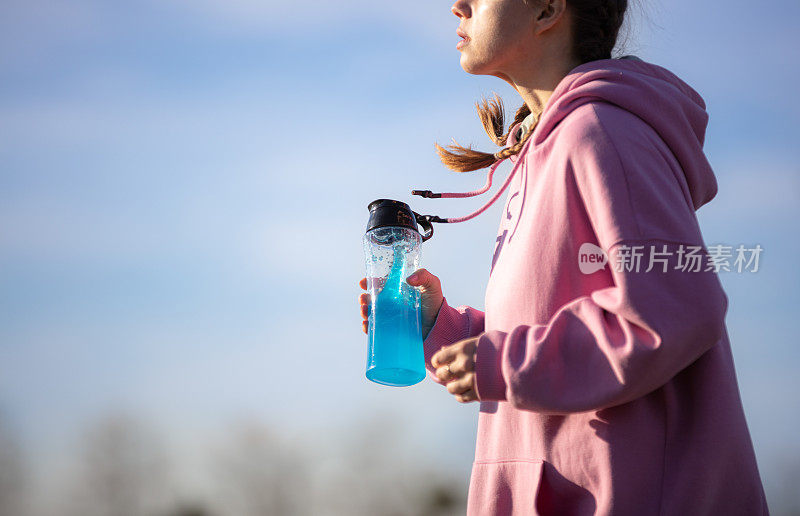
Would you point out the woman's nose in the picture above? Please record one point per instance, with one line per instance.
(460, 8)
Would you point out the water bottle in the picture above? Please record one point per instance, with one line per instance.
(392, 248)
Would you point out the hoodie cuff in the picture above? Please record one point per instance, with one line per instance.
(489, 382)
(447, 329)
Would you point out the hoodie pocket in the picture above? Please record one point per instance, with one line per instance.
(504, 487)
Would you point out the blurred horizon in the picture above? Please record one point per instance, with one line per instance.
(183, 191)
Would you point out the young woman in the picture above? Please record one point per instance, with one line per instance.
(601, 363)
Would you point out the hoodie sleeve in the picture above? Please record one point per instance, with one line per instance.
(451, 325)
(623, 341)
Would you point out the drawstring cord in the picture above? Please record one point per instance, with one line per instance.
(428, 219)
(429, 194)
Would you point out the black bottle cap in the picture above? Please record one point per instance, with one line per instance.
(388, 212)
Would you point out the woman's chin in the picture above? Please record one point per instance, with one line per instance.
(470, 66)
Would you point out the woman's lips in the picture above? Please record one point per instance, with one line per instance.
(463, 35)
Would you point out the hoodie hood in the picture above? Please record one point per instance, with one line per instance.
(670, 106)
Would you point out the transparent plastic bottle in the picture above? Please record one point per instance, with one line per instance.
(392, 249)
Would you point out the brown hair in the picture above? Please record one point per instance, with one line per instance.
(595, 26)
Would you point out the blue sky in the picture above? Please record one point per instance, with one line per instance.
(183, 190)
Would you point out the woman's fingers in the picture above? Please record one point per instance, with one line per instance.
(456, 368)
(444, 356)
(466, 397)
(377, 283)
(364, 301)
(459, 379)
(461, 385)
(445, 374)
(462, 365)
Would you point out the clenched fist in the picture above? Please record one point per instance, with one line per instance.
(455, 365)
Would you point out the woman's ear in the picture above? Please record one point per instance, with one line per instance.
(551, 11)
(547, 11)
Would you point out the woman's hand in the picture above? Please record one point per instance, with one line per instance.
(431, 299)
(455, 365)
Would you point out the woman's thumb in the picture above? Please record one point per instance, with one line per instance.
(421, 278)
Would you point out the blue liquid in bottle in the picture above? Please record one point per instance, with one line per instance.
(395, 356)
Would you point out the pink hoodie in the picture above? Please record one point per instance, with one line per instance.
(613, 391)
